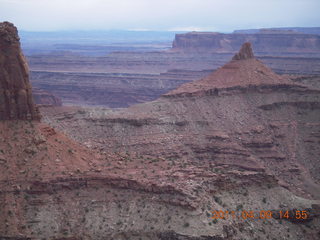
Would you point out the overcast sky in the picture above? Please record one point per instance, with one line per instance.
(205, 15)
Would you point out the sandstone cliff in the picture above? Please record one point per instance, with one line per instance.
(16, 100)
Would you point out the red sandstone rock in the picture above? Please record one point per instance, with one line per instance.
(16, 100)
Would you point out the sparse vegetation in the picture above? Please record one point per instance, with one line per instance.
(217, 200)
(119, 223)
(186, 224)
(239, 207)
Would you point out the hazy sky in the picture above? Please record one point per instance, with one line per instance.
(206, 15)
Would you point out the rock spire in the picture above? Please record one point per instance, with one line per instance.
(245, 52)
(16, 101)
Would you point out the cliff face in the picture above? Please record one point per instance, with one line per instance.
(264, 42)
(16, 100)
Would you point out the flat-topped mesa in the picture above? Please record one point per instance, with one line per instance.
(275, 42)
(245, 52)
(16, 101)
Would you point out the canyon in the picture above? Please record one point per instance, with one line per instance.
(117, 75)
(243, 122)
(241, 138)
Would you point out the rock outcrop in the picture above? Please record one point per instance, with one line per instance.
(16, 101)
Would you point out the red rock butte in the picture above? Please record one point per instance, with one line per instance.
(16, 100)
(244, 70)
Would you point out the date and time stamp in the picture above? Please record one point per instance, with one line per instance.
(301, 215)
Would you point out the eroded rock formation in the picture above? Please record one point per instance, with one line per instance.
(16, 100)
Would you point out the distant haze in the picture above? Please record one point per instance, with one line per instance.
(173, 15)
